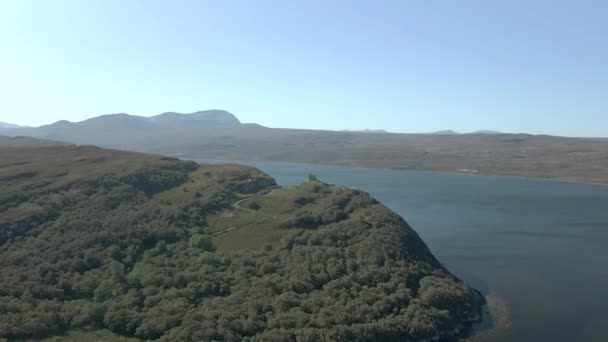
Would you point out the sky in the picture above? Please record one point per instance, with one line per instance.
(530, 66)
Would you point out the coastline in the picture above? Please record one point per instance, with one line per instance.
(467, 329)
(358, 166)
(495, 322)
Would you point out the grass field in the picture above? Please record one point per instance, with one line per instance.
(260, 219)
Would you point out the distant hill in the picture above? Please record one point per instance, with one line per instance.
(451, 132)
(122, 121)
(8, 125)
(207, 117)
(19, 141)
(124, 130)
(486, 132)
(159, 249)
(445, 132)
(367, 131)
(219, 134)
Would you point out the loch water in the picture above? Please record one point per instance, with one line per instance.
(539, 246)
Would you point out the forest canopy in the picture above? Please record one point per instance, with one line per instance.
(156, 248)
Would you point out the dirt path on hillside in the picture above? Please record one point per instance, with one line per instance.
(237, 205)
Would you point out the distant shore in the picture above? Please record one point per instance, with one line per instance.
(454, 172)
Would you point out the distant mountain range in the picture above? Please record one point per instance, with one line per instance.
(219, 134)
(21, 141)
(445, 132)
(124, 130)
(200, 118)
(381, 131)
(451, 132)
(205, 117)
(122, 121)
(7, 125)
(486, 132)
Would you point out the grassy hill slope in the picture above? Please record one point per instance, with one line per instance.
(94, 241)
(21, 141)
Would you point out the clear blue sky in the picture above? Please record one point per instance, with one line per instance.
(405, 66)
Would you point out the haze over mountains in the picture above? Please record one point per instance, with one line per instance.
(451, 132)
(204, 117)
(219, 134)
(207, 117)
(7, 125)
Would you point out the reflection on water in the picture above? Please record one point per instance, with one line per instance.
(535, 248)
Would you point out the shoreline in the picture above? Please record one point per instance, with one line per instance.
(496, 320)
(468, 327)
(456, 172)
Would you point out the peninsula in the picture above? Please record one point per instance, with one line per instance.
(96, 241)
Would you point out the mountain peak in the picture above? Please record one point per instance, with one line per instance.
(123, 121)
(212, 116)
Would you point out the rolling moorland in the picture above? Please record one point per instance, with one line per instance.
(220, 135)
(111, 245)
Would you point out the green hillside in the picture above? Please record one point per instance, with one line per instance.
(100, 244)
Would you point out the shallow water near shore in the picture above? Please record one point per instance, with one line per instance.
(539, 247)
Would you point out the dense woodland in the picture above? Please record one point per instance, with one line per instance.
(145, 246)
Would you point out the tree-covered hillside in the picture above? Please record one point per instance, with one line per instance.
(150, 247)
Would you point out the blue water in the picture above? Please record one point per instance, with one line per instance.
(540, 245)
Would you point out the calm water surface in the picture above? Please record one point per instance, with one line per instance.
(540, 245)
